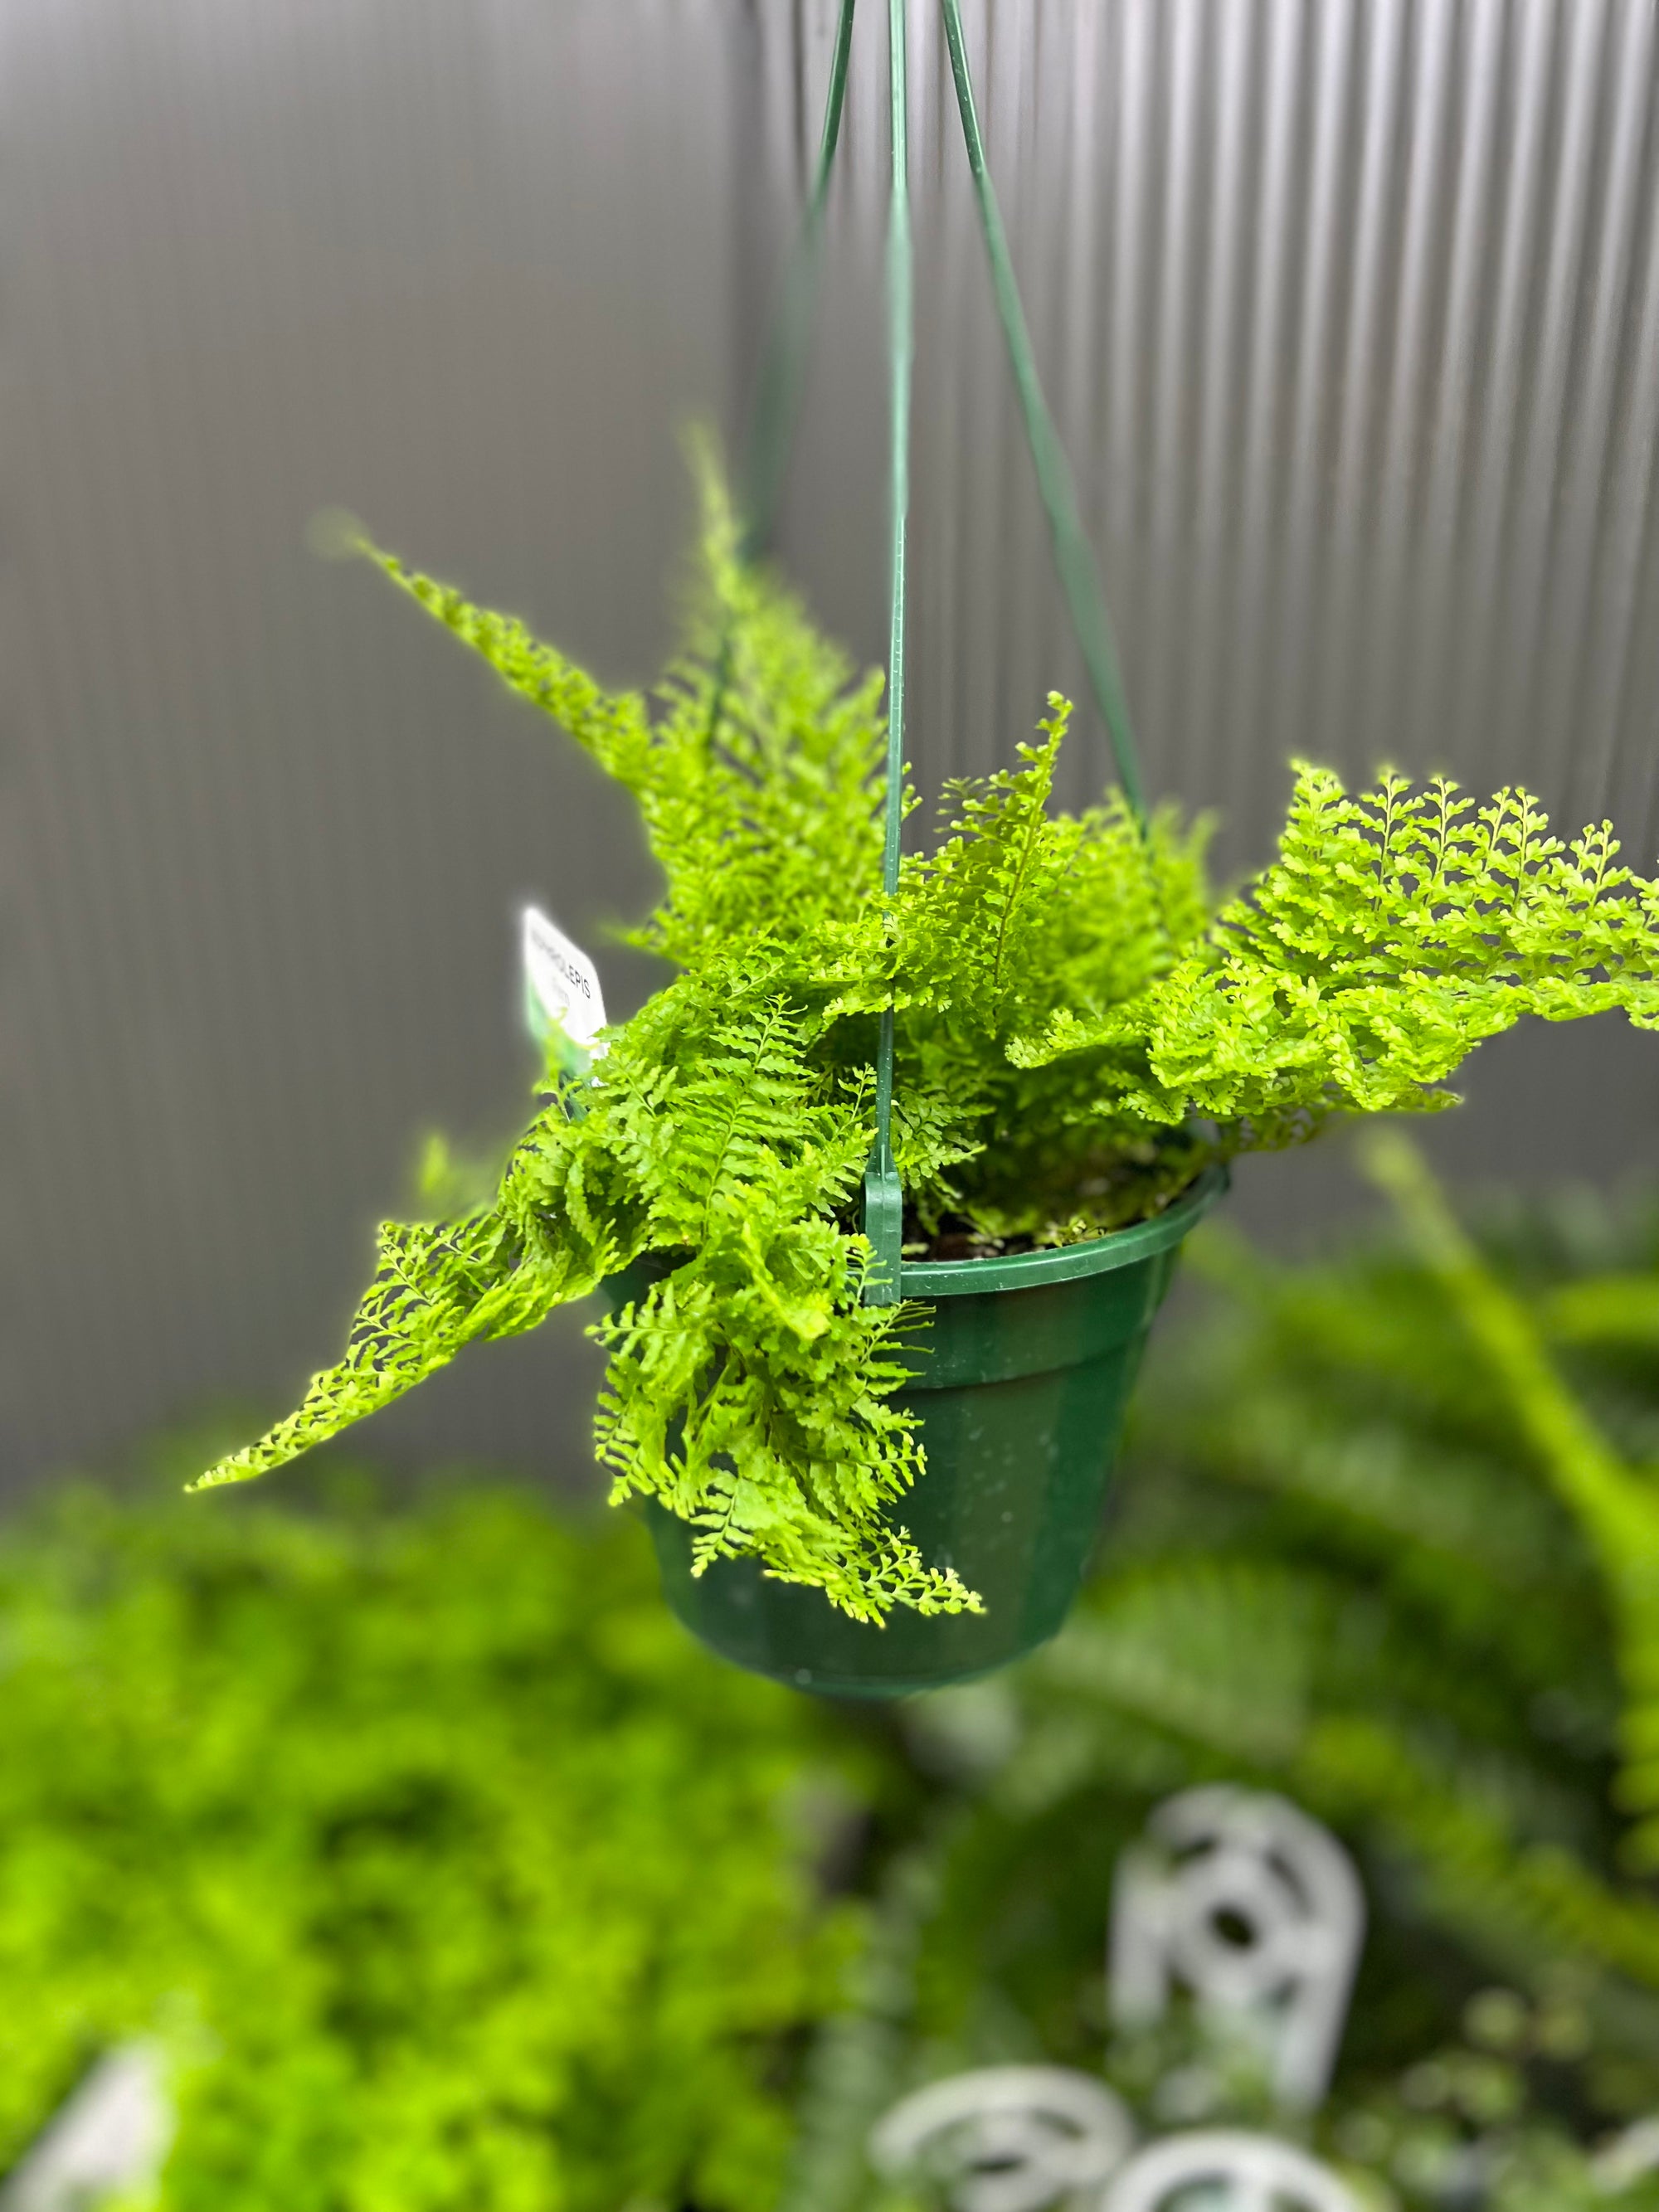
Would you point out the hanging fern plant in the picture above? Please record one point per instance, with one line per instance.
(932, 1128)
(1078, 1035)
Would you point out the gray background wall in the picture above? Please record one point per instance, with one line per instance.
(1350, 313)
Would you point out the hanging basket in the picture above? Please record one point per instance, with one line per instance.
(1021, 1383)
(1019, 1386)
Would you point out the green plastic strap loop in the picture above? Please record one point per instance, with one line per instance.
(884, 1194)
(1074, 557)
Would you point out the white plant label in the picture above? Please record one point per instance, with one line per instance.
(111, 2136)
(563, 1001)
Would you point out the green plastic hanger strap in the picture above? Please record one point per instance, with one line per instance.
(777, 405)
(1074, 560)
(783, 367)
(884, 1194)
(783, 364)
(1074, 557)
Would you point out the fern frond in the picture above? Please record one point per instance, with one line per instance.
(613, 729)
(1616, 1506)
(1484, 1876)
(436, 1289)
(1394, 933)
(979, 901)
(1606, 1309)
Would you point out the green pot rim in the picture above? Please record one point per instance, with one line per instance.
(1065, 1263)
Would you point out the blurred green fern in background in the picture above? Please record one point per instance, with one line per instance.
(445, 1872)
(448, 1873)
(1388, 1544)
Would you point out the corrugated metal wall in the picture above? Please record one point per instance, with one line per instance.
(1350, 309)
(461, 269)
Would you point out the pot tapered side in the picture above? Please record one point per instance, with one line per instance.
(1020, 1394)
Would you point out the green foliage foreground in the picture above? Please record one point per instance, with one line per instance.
(447, 1871)
(451, 1874)
(1078, 1033)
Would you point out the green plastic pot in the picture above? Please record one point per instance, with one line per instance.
(1020, 1387)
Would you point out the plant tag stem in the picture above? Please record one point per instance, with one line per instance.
(563, 1003)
